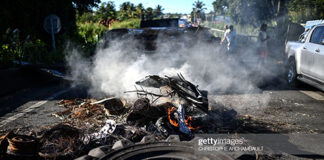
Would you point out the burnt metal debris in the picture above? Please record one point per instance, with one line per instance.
(185, 91)
(187, 99)
(178, 108)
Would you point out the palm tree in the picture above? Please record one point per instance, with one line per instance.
(125, 6)
(149, 13)
(199, 6)
(140, 10)
(139, 6)
(158, 11)
(198, 9)
(107, 10)
(127, 10)
(132, 10)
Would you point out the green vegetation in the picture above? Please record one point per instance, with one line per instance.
(255, 12)
(106, 10)
(198, 11)
(303, 10)
(92, 25)
(22, 37)
(130, 23)
(90, 32)
(88, 35)
(30, 49)
(248, 15)
(82, 27)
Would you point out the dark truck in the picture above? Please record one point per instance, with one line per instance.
(154, 34)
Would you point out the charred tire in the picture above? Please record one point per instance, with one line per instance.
(291, 75)
(148, 148)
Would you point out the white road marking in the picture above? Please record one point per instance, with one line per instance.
(32, 107)
(314, 95)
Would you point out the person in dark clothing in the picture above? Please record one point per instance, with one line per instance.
(262, 45)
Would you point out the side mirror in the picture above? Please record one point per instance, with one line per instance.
(322, 41)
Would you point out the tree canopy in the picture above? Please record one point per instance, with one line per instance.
(199, 7)
(303, 10)
(107, 10)
(254, 12)
(158, 11)
(198, 10)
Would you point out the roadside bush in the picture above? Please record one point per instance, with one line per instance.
(14, 48)
(88, 35)
(91, 32)
(130, 23)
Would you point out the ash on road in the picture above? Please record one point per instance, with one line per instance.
(269, 110)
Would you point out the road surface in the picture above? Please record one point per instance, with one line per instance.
(278, 109)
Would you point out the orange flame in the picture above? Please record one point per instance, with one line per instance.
(188, 120)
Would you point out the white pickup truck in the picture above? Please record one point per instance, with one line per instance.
(306, 58)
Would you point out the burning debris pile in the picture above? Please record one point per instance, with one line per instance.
(90, 113)
(174, 106)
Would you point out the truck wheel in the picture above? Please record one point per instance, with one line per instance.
(292, 74)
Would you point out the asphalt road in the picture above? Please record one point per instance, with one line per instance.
(293, 111)
(303, 108)
(279, 109)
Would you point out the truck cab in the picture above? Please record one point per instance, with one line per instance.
(306, 58)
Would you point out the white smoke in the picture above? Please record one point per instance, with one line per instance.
(115, 69)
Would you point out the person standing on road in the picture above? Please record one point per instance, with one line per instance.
(262, 45)
(230, 38)
(226, 27)
(231, 46)
(224, 41)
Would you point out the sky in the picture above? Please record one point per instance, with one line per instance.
(170, 6)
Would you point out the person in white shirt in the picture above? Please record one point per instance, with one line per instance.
(229, 39)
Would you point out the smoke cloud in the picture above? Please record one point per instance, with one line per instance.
(115, 69)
